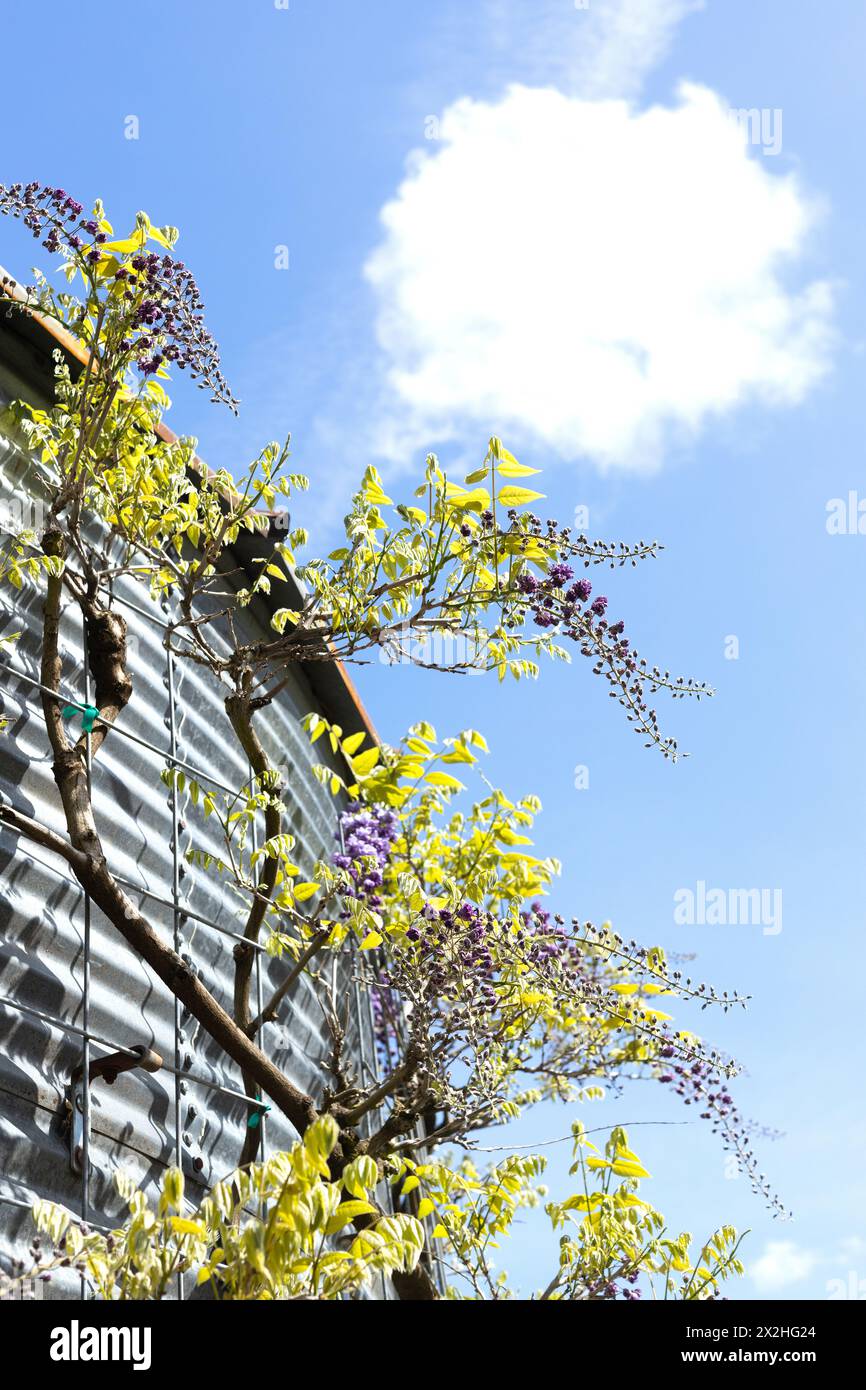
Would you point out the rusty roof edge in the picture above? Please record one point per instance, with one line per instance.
(339, 698)
(328, 679)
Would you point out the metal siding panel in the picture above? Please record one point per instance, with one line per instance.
(42, 921)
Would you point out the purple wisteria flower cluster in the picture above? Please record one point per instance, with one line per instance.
(608, 1288)
(556, 599)
(154, 296)
(699, 1083)
(455, 950)
(367, 835)
(542, 937)
(466, 958)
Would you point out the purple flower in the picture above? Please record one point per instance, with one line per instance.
(368, 837)
(175, 304)
(560, 573)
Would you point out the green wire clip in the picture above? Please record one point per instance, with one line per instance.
(88, 715)
(256, 1118)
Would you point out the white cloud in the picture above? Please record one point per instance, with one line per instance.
(782, 1264)
(604, 50)
(590, 278)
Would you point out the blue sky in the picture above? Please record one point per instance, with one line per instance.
(665, 318)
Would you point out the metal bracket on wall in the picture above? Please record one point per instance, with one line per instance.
(108, 1069)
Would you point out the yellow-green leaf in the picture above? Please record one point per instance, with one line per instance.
(444, 779)
(478, 500)
(515, 470)
(511, 496)
(183, 1227)
(365, 762)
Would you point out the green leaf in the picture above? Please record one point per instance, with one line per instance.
(517, 496)
(283, 616)
(321, 1137)
(183, 1227)
(365, 762)
(628, 1168)
(346, 1212)
(478, 500)
(372, 491)
(515, 470)
(360, 1176)
(445, 780)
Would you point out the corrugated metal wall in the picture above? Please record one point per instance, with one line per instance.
(69, 985)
